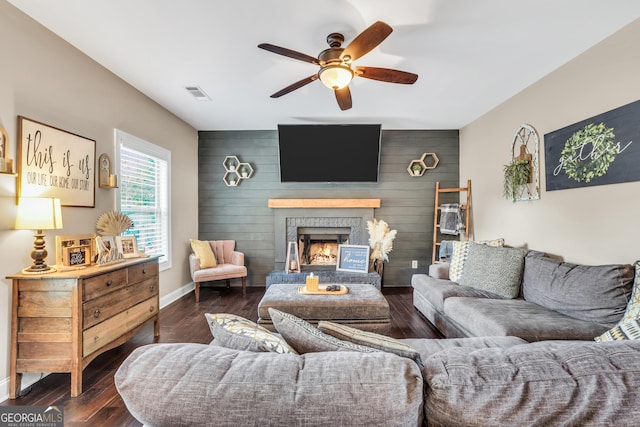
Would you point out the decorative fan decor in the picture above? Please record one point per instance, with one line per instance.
(113, 223)
(335, 63)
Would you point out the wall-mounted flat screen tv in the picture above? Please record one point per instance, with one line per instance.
(329, 153)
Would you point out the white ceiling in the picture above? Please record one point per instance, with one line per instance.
(470, 55)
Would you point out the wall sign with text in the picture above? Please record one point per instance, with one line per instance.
(604, 149)
(55, 163)
(353, 258)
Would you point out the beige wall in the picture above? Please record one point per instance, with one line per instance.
(591, 225)
(45, 79)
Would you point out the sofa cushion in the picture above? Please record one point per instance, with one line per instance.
(590, 293)
(459, 257)
(628, 328)
(232, 331)
(370, 339)
(201, 385)
(516, 317)
(306, 338)
(438, 290)
(429, 347)
(546, 383)
(633, 307)
(494, 269)
(204, 253)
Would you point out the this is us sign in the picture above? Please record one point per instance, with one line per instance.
(604, 149)
(55, 163)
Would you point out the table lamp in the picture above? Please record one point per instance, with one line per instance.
(38, 214)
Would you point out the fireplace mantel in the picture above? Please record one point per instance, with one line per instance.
(323, 203)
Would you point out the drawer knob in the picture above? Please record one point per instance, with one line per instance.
(109, 282)
(144, 271)
(151, 309)
(151, 287)
(96, 314)
(96, 338)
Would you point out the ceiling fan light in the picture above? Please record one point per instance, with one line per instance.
(335, 76)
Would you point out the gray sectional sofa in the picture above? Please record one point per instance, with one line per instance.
(500, 381)
(533, 361)
(513, 292)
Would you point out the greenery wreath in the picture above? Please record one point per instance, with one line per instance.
(583, 165)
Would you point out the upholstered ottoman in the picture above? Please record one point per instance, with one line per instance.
(363, 307)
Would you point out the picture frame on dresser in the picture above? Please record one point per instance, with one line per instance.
(127, 246)
(69, 244)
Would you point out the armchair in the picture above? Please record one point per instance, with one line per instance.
(230, 265)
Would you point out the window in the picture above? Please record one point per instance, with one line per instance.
(144, 194)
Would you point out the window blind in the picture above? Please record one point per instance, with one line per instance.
(144, 195)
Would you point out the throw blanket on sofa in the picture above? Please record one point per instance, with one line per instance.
(450, 219)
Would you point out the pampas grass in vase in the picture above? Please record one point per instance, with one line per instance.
(381, 243)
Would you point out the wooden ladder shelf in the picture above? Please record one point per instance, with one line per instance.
(465, 208)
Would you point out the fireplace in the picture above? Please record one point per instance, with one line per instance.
(328, 226)
(319, 245)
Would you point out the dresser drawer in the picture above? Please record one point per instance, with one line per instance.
(103, 284)
(113, 328)
(140, 272)
(102, 308)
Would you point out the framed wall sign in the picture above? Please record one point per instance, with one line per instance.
(353, 258)
(55, 163)
(603, 149)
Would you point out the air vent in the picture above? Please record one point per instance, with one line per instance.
(198, 93)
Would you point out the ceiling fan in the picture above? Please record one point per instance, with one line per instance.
(335, 63)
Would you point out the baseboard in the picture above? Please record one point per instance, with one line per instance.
(30, 378)
(176, 295)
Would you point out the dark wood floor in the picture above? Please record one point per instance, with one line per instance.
(182, 321)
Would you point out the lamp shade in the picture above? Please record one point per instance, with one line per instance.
(35, 213)
(336, 76)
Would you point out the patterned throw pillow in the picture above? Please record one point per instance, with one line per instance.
(238, 333)
(202, 249)
(629, 330)
(629, 327)
(371, 339)
(306, 338)
(459, 256)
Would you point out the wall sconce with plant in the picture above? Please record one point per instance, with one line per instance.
(521, 175)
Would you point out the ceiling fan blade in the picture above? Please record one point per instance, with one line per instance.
(294, 86)
(386, 75)
(343, 96)
(289, 53)
(367, 40)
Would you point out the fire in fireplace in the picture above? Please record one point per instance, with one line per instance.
(320, 249)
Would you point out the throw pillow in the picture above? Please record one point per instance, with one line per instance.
(202, 250)
(459, 256)
(628, 330)
(306, 338)
(494, 269)
(370, 339)
(592, 293)
(238, 333)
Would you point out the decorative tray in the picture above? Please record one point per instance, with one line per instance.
(322, 290)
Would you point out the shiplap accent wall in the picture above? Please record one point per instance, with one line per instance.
(241, 213)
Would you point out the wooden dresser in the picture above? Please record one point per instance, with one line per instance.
(64, 320)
